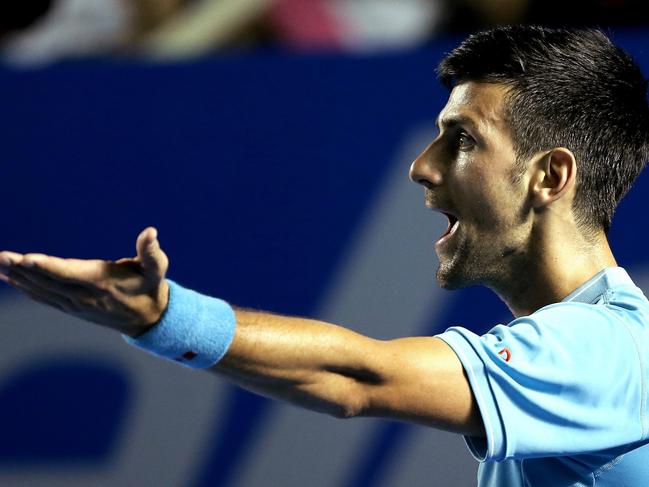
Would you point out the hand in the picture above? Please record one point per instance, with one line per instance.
(128, 295)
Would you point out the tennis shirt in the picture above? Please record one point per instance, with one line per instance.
(563, 391)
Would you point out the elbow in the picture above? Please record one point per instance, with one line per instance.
(351, 407)
(344, 412)
(351, 394)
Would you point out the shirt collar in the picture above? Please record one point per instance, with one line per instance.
(590, 291)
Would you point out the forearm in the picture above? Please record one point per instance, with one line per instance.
(310, 363)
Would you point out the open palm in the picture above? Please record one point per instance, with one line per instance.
(128, 295)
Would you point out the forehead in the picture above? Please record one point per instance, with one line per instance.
(481, 104)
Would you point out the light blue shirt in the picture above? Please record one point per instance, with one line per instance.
(563, 392)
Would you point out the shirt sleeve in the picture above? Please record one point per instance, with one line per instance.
(564, 380)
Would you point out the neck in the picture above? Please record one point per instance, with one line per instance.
(552, 270)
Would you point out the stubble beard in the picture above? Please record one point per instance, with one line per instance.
(469, 265)
(491, 265)
(455, 270)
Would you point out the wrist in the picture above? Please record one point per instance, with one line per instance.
(152, 316)
(193, 329)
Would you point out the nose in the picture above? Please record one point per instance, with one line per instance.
(425, 170)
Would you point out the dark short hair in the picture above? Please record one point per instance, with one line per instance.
(567, 88)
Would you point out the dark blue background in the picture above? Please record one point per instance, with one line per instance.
(255, 169)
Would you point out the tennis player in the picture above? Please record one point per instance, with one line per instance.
(543, 133)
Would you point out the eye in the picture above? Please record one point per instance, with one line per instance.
(464, 141)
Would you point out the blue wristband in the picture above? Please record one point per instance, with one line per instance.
(195, 330)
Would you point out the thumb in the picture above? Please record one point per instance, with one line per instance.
(153, 260)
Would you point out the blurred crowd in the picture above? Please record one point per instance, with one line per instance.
(42, 31)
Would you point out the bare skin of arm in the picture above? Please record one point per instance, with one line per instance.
(310, 363)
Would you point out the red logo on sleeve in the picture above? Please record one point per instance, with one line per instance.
(505, 354)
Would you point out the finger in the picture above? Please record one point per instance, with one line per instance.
(42, 300)
(40, 294)
(77, 271)
(8, 259)
(149, 254)
(73, 292)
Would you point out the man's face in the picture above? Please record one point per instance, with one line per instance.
(468, 173)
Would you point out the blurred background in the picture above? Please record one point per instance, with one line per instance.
(44, 31)
(269, 142)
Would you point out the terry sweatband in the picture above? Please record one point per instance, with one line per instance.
(195, 330)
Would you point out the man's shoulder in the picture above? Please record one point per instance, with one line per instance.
(618, 306)
(618, 301)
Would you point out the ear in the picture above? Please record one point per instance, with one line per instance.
(554, 177)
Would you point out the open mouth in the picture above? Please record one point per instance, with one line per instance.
(453, 223)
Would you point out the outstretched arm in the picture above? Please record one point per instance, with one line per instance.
(331, 369)
(311, 363)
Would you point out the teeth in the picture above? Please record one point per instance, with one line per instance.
(451, 219)
(452, 222)
(448, 229)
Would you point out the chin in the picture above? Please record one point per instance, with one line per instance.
(450, 277)
(462, 270)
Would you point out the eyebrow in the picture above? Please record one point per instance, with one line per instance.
(454, 121)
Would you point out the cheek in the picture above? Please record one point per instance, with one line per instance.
(491, 202)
